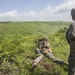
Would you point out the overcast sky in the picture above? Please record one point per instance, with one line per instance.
(36, 10)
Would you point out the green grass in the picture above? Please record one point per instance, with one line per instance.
(18, 42)
(31, 28)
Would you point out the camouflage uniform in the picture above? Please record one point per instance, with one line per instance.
(45, 50)
(71, 41)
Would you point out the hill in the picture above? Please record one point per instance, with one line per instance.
(31, 28)
(18, 42)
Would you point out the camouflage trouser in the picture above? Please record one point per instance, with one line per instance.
(48, 54)
(51, 56)
(37, 60)
(71, 68)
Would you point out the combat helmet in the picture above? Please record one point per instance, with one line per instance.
(45, 39)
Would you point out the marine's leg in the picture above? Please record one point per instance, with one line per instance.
(37, 60)
(56, 60)
(71, 68)
(59, 61)
(50, 55)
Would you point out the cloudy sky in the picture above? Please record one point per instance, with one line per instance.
(36, 10)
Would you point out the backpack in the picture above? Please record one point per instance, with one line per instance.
(70, 34)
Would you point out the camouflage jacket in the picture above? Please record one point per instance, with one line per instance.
(44, 47)
(70, 34)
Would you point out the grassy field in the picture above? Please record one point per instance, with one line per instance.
(18, 42)
(31, 28)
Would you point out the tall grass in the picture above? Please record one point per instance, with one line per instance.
(18, 42)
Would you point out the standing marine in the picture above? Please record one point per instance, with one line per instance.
(70, 36)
